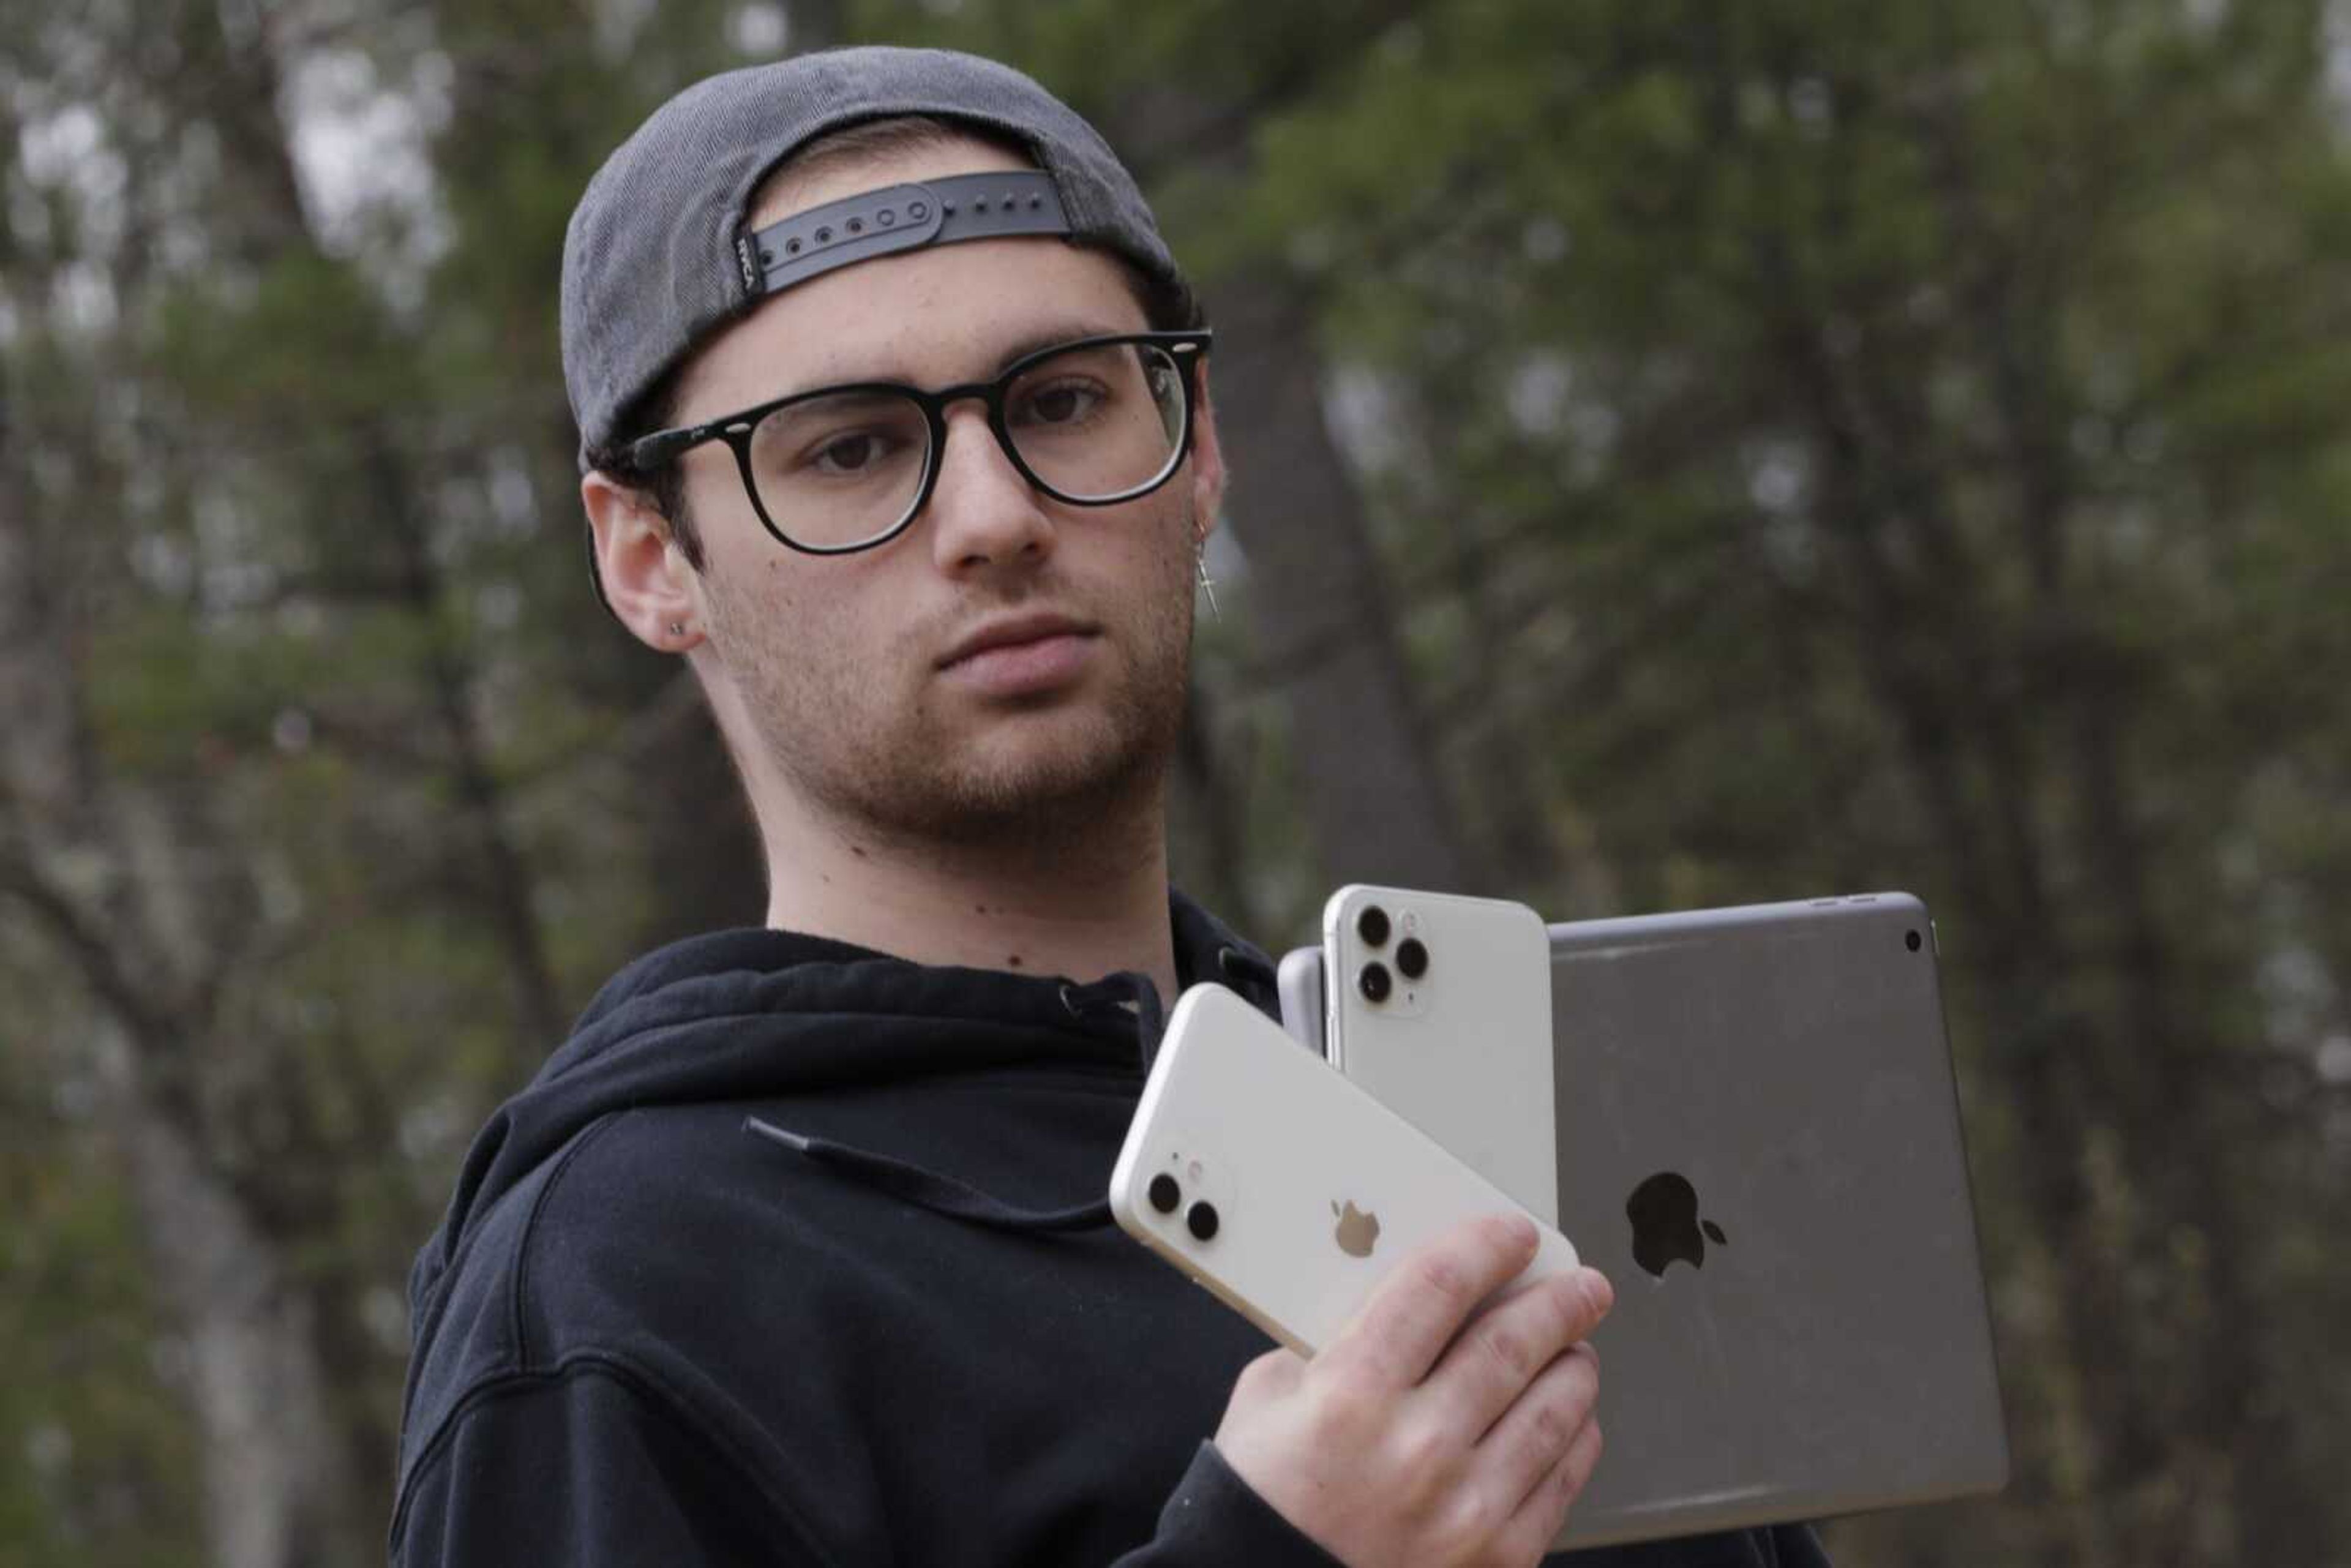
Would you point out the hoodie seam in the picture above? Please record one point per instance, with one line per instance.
(1059, 1019)
(525, 1252)
(1075, 1030)
(1197, 931)
(634, 1380)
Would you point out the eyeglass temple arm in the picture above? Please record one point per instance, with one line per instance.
(650, 452)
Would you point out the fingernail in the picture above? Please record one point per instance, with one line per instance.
(1598, 1291)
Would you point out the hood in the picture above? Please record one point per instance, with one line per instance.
(754, 1014)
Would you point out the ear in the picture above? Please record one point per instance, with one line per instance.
(1208, 458)
(647, 580)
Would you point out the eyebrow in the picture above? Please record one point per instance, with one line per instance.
(1053, 337)
(1033, 341)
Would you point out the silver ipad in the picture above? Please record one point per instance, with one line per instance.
(1760, 1143)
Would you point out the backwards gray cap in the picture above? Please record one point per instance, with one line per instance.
(659, 252)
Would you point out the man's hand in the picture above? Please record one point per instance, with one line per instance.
(1411, 1440)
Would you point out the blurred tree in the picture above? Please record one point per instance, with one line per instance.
(1683, 455)
(1926, 429)
(289, 766)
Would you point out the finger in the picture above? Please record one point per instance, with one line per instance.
(1523, 1445)
(1547, 1509)
(1414, 1313)
(1490, 1365)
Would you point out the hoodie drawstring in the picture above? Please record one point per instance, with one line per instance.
(941, 1194)
(1129, 993)
(931, 1190)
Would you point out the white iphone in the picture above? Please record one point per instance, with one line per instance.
(1440, 1006)
(1282, 1187)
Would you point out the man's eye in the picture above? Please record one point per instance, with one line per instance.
(1065, 402)
(851, 454)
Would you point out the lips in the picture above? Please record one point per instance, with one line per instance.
(1014, 632)
(1022, 659)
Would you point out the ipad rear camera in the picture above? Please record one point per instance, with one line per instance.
(1200, 1220)
(1910, 940)
(1375, 982)
(1165, 1194)
(1411, 958)
(1372, 925)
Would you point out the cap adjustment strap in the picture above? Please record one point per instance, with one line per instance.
(903, 218)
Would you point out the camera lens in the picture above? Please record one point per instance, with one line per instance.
(1200, 1220)
(1910, 940)
(1372, 925)
(1412, 959)
(1165, 1194)
(1374, 982)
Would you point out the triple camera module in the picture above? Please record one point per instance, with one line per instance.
(1374, 979)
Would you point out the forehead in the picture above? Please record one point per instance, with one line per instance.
(928, 316)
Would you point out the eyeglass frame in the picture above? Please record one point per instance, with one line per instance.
(1186, 349)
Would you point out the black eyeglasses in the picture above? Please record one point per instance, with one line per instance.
(1092, 423)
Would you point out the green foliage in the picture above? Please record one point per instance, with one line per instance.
(1810, 447)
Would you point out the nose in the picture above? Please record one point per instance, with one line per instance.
(984, 512)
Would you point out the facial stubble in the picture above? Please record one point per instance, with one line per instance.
(869, 750)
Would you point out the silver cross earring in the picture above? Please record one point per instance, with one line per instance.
(1207, 583)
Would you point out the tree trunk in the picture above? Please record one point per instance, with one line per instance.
(1374, 792)
(279, 1489)
(1375, 799)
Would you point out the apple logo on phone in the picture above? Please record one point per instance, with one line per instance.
(1358, 1232)
(1665, 1226)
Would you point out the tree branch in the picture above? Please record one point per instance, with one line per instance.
(85, 943)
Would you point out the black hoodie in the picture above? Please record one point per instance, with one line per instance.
(647, 1335)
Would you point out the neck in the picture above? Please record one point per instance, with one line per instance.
(1081, 905)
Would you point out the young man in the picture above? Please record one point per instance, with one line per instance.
(895, 417)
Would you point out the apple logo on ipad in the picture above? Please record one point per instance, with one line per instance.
(1358, 1232)
(1665, 1226)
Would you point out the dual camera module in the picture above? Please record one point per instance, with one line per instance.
(1167, 1196)
(1410, 957)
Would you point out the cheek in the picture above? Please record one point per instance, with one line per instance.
(1173, 541)
(807, 623)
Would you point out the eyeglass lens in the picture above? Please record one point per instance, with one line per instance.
(1090, 423)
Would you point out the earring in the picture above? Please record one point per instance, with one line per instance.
(1207, 583)
(678, 628)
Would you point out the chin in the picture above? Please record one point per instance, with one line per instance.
(1053, 766)
(1040, 776)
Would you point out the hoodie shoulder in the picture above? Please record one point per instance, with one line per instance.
(471, 1330)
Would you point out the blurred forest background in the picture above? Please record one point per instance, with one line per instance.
(1686, 454)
